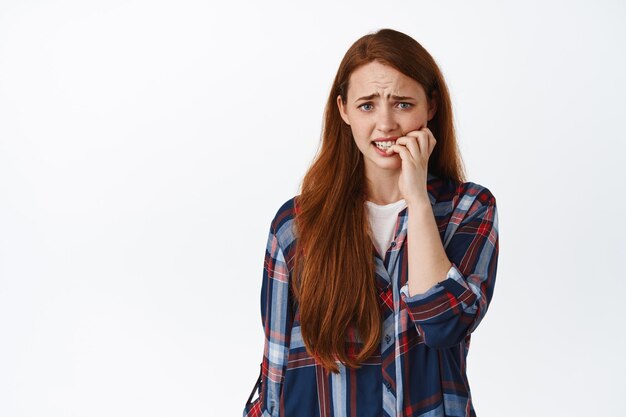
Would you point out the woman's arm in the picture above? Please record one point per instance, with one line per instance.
(276, 316)
(453, 306)
(428, 261)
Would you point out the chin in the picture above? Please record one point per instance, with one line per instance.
(390, 164)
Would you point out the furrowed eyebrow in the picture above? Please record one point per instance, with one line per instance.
(371, 96)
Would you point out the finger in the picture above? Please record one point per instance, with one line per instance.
(423, 131)
(430, 144)
(416, 133)
(433, 143)
(411, 144)
(422, 140)
(424, 143)
(428, 132)
(402, 151)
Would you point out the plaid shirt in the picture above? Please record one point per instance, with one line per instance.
(420, 368)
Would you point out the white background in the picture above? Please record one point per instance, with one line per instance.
(146, 145)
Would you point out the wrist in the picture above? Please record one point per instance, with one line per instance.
(419, 203)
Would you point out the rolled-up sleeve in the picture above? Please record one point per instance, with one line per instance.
(451, 309)
(276, 317)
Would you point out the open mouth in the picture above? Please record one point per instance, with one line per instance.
(384, 145)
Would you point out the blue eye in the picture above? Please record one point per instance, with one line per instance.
(365, 104)
(408, 105)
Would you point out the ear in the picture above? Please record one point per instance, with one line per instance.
(432, 106)
(342, 110)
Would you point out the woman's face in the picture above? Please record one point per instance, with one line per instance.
(383, 103)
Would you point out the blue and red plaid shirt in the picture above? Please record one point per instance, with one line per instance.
(420, 368)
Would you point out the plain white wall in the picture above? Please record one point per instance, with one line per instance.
(146, 145)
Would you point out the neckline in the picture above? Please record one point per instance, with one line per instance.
(429, 180)
(386, 206)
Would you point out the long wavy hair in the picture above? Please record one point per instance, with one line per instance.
(340, 316)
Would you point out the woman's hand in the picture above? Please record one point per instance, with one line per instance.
(414, 148)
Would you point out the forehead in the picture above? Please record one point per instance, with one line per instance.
(376, 77)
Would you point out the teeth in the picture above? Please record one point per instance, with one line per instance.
(384, 145)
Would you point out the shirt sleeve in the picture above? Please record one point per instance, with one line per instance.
(276, 317)
(451, 309)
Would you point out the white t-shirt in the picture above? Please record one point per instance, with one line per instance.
(383, 223)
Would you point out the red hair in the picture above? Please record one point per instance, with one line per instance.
(334, 263)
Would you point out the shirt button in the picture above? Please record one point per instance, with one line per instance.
(393, 244)
(387, 338)
(388, 385)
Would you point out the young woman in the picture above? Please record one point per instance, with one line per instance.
(377, 273)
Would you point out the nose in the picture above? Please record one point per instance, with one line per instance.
(385, 121)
